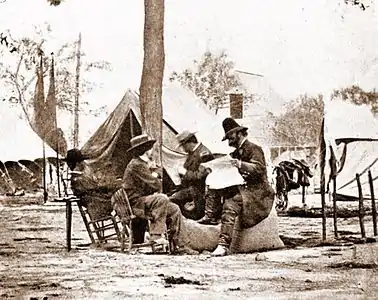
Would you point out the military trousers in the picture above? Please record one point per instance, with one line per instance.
(165, 216)
(232, 207)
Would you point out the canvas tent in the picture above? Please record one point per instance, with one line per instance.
(19, 144)
(107, 148)
(351, 133)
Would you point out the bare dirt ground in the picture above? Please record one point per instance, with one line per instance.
(34, 263)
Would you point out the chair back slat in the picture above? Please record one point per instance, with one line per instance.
(121, 205)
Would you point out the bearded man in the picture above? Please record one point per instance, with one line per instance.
(251, 202)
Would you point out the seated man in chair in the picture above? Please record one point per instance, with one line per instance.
(142, 182)
(191, 196)
(85, 184)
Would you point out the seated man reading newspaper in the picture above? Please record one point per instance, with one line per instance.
(247, 193)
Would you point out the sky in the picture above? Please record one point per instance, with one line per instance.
(300, 46)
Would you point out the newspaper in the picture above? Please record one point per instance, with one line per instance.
(223, 174)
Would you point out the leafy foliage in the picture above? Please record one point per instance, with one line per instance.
(357, 3)
(18, 71)
(358, 96)
(211, 79)
(301, 123)
(55, 2)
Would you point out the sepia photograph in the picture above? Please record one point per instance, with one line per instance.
(203, 149)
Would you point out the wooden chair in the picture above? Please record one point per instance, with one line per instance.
(122, 208)
(117, 227)
(103, 232)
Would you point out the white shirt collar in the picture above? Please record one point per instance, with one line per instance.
(196, 147)
(145, 158)
(243, 141)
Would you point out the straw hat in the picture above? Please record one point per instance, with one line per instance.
(141, 143)
(184, 136)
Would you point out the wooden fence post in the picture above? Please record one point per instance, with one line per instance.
(373, 207)
(360, 206)
(334, 208)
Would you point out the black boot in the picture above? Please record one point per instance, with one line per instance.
(212, 203)
(206, 220)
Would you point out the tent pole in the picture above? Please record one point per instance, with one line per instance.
(44, 174)
(57, 157)
(131, 124)
(322, 181)
(9, 180)
(77, 95)
(58, 172)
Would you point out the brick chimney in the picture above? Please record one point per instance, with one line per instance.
(236, 105)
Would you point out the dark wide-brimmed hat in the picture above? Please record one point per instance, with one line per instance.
(230, 126)
(74, 156)
(184, 136)
(141, 143)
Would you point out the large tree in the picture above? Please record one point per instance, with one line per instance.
(153, 73)
(300, 124)
(211, 79)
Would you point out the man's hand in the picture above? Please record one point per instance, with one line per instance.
(181, 171)
(236, 163)
(208, 171)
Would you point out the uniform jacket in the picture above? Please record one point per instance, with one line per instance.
(140, 180)
(94, 193)
(195, 173)
(258, 195)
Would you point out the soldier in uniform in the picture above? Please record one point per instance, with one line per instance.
(142, 181)
(191, 196)
(253, 201)
(94, 194)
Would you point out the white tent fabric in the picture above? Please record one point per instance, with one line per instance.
(361, 157)
(184, 111)
(18, 140)
(345, 120)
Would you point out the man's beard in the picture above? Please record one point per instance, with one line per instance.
(233, 143)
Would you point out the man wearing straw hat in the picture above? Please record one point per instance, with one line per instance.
(142, 181)
(191, 198)
(251, 202)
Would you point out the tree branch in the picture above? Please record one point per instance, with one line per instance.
(20, 93)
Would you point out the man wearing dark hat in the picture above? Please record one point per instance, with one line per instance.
(191, 198)
(253, 201)
(87, 186)
(142, 181)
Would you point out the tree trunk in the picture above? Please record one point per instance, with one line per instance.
(152, 74)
